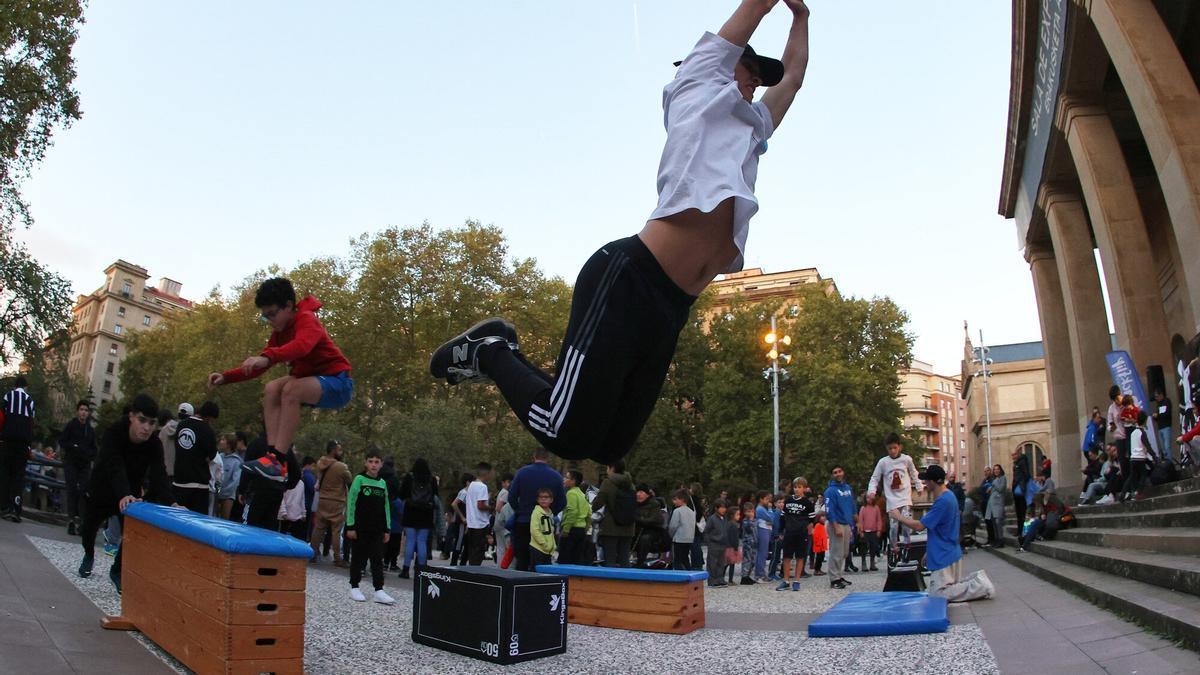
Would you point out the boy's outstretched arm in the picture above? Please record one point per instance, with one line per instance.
(795, 62)
(739, 27)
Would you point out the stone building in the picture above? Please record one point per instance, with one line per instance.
(934, 410)
(1018, 406)
(105, 318)
(1102, 162)
(757, 286)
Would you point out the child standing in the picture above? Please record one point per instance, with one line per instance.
(764, 526)
(368, 521)
(716, 533)
(541, 530)
(820, 545)
(318, 373)
(797, 530)
(749, 529)
(682, 529)
(776, 538)
(870, 524)
(733, 542)
(897, 475)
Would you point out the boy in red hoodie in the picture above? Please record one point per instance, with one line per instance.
(318, 374)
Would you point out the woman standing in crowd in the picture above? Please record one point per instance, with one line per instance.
(417, 490)
(995, 505)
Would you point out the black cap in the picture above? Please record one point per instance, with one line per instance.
(934, 473)
(770, 70)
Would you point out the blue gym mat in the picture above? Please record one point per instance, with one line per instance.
(865, 614)
(218, 533)
(625, 573)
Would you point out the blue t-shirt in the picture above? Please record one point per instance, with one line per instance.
(942, 524)
(763, 515)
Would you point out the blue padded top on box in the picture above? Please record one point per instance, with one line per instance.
(625, 573)
(863, 614)
(223, 535)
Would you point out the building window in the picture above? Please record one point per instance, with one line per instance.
(112, 350)
(118, 329)
(121, 311)
(146, 320)
(127, 288)
(107, 386)
(109, 368)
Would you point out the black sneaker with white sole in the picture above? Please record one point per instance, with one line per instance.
(458, 359)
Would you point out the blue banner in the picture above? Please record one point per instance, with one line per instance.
(1124, 373)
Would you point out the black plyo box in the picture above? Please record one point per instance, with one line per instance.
(492, 614)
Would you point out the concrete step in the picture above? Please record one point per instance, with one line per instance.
(1188, 516)
(1171, 613)
(1171, 500)
(1174, 541)
(1176, 572)
(1185, 485)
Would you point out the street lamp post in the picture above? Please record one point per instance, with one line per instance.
(984, 363)
(776, 341)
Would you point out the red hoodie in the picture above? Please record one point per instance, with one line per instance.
(304, 345)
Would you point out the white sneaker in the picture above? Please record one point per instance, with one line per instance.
(357, 595)
(383, 598)
(1108, 499)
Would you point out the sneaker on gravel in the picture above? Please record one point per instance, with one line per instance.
(357, 595)
(782, 587)
(458, 359)
(85, 567)
(795, 585)
(383, 598)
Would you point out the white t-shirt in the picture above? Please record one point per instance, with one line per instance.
(899, 472)
(714, 139)
(476, 492)
(1136, 449)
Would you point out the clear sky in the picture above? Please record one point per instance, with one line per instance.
(221, 137)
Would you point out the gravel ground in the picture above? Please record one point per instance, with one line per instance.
(342, 636)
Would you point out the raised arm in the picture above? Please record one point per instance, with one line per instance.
(795, 62)
(739, 27)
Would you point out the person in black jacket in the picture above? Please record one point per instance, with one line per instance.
(130, 455)
(1020, 485)
(195, 448)
(78, 445)
(419, 491)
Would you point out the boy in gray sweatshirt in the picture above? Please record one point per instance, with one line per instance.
(682, 529)
(716, 535)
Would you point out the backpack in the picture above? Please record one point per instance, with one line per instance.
(624, 507)
(421, 495)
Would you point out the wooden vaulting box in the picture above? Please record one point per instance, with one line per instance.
(657, 601)
(218, 596)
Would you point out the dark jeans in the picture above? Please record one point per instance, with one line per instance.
(476, 545)
(77, 474)
(625, 319)
(264, 509)
(616, 551)
(681, 556)
(1020, 507)
(1139, 470)
(192, 499)
(574, 543)
(94, 515)
(368, 546)
(520, 544)
(13, 456)
(698, 552)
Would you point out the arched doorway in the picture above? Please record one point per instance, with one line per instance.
(1035, 454)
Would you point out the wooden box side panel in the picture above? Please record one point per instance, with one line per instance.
(147, 542)
(652, 623)
(262, 572)
(161, 616)
(643, 588)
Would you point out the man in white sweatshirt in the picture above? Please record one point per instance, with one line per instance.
(898, 475)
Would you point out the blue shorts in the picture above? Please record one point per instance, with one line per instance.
(336, 390)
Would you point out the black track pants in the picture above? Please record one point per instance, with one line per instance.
(626, 315)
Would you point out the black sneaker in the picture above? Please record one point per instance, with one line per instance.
(85, 567)
(840, 584)
(458, 359)
(71, 528)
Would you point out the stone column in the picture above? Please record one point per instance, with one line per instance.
(1120, 230)
(1083, 300)
(1167, 105)
(1060, 369)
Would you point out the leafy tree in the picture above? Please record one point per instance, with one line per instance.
(37, 95)
(35, 302)
(54, 390)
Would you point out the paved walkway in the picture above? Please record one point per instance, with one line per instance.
(48, 626)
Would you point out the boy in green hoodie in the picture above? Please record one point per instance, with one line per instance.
(368, 520)
(575, 519)
(541, 530)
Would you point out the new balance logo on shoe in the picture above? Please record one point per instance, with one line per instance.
(460, 353)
